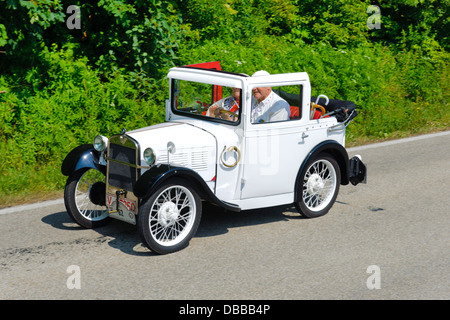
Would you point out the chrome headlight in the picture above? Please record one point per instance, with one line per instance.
(100, 143)
(149, 156)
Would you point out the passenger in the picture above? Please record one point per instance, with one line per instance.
(230, 104)
(268, 106)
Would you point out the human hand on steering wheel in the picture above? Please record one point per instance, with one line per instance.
(219, 112)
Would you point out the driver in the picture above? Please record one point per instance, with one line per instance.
(230, 103)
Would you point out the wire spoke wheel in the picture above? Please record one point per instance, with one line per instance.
(319, 186)
(83, 202)
(170, 217)
(84, 198)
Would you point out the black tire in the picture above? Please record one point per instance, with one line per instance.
(170, 217)
(78, 200)
(318, 186)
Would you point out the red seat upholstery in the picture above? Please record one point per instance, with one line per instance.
(294, 113)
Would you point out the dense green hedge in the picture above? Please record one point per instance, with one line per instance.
(63, 86)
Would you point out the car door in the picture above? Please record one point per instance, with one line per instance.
(274, 150)
(272, 158)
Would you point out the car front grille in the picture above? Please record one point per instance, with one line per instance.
(123, 157)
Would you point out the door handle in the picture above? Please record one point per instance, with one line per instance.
(302, 138)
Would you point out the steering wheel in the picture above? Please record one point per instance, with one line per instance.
(228, 112)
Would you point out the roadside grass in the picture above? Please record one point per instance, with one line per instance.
(30, 185)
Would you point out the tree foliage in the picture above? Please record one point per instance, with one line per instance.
(138, 36)
(144, 36)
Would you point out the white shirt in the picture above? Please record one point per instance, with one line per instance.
(272, 108)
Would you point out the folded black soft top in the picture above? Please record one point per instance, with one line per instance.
(341, 109)
(333, 104)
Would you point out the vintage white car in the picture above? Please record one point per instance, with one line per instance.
(214, 147)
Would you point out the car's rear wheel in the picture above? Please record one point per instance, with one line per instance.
(84, 197)
(169, 218)
(318, 186)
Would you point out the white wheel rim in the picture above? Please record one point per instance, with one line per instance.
(85, 207)
(319, 185)
(172, 215)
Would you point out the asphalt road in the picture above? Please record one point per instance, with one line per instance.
(388, 239)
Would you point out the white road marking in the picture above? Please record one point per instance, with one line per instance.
(398, 141)
(31, 206)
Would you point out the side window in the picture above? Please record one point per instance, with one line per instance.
(281, 103)
(293, 96)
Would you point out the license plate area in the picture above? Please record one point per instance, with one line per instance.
(122, 206)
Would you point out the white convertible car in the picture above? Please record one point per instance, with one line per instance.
(214, 147)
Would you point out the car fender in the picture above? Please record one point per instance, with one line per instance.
(156, 175)
(337, 151)
(83, 156)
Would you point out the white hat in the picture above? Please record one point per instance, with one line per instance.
(260, 73)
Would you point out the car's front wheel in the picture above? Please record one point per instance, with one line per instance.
(318, 186)
(84, 197)
(169, 218)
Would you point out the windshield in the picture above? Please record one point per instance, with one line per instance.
(206, 101)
